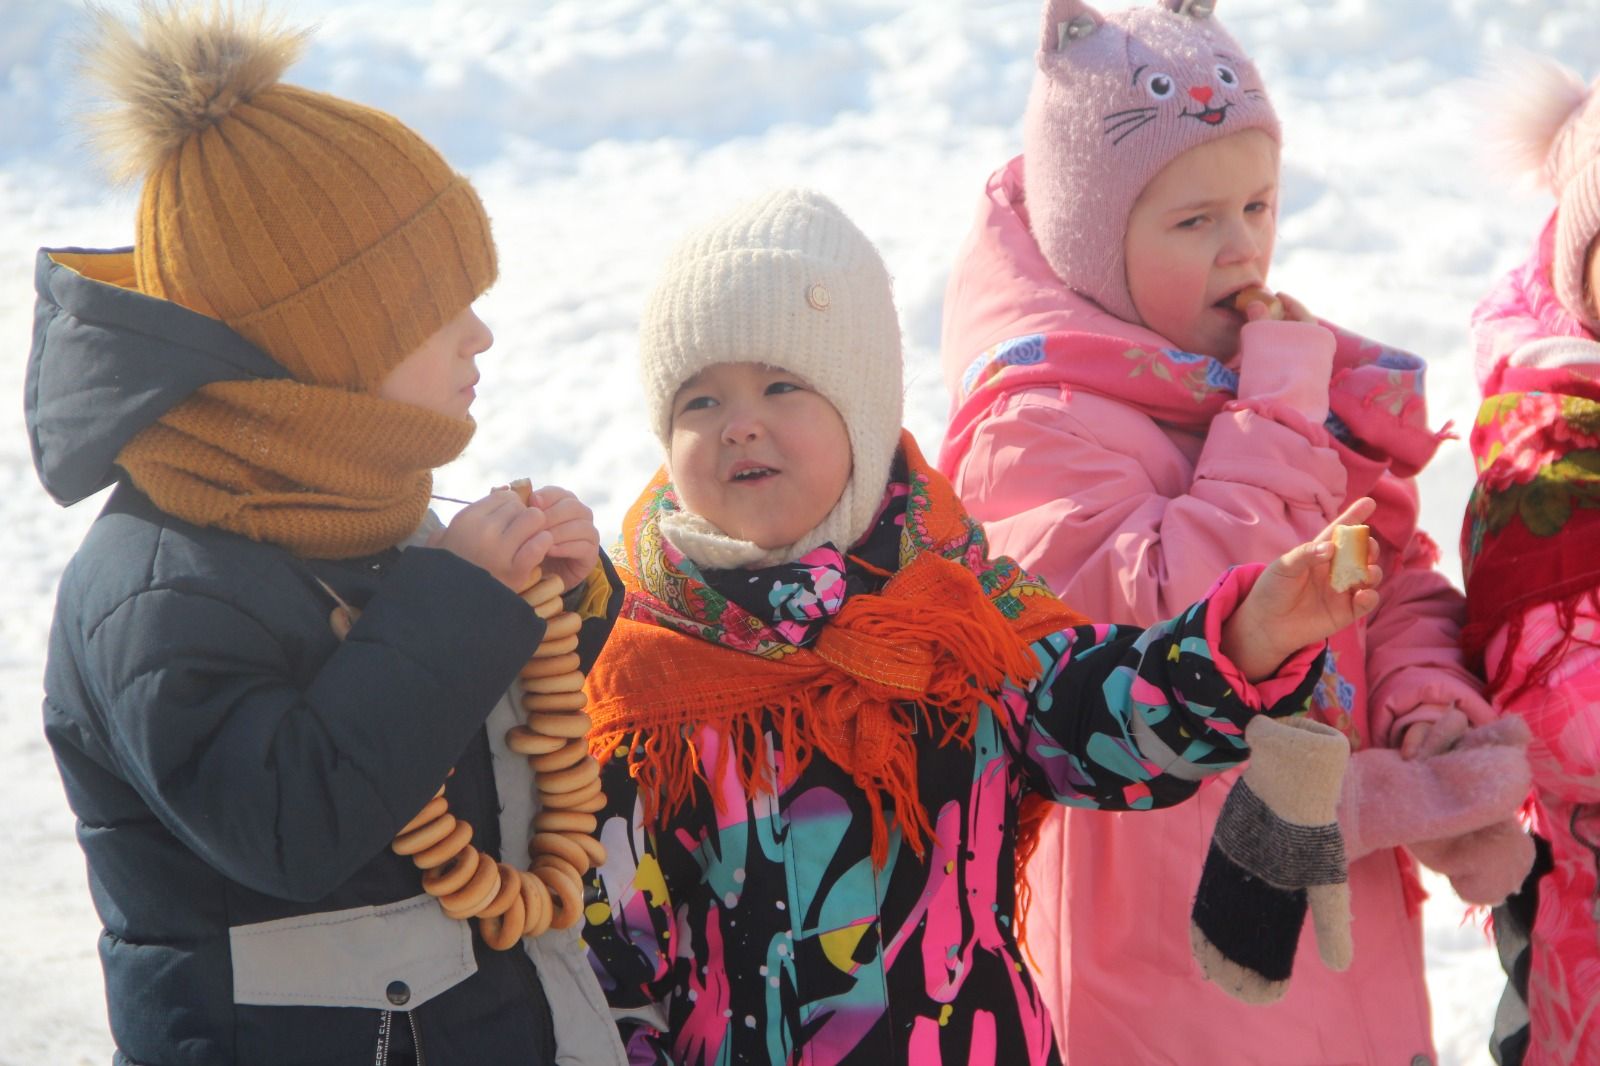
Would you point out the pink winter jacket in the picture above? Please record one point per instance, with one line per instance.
(1520, 324)
(1128, 518)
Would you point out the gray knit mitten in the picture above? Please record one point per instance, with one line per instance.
(1276, 851)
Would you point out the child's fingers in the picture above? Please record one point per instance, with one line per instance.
(494, 512)
(575, 549)
(531, 553)
(525, 523)
(1303, 558)
(553, 496)
(574, 529)
(1356, 514)
(1363, 602)
(1411, 743)
(1442, 735)
(1294, 310)
(570, 511)
(548, 495)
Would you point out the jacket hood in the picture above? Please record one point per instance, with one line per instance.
(1002, 287)
(1521, 322)
(107, 361)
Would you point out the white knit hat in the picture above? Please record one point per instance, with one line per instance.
(786, 280)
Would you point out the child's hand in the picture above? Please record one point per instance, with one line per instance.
(1293, 605)
(1286, 308)
(501, 535)
(575, 544)
(1427, 739)
(1294, 310)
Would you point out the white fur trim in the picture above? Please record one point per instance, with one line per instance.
(1551, 352)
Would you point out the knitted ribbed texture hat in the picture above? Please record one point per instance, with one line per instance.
(789, 281)
(1116, 98)
(1549, 123)
(327, 233)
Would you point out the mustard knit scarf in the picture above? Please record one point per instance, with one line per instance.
(322, 472)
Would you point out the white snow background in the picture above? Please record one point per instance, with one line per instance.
(597, 131)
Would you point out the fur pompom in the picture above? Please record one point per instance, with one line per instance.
(1530, 97)
(187, 65)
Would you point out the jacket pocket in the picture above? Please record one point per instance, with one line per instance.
(394, 957)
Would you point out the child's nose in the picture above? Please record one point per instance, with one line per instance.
(1243, 244)
(479, 337)
(741, 429)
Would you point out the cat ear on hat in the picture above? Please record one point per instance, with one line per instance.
(1066, 21)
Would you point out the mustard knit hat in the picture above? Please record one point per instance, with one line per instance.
(327, 233)
(786, 280)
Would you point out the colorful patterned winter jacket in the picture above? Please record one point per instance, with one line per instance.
(754, 928)
(1535, 432)
(1126, 473)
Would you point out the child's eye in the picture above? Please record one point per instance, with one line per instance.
(779, 387)
(1193, 222)
(697, 403)
(1256, 206)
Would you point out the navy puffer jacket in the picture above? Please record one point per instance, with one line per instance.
(237, 772)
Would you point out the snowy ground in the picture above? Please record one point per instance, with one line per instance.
(597, 130)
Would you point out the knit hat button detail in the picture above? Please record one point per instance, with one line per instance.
(817, 296)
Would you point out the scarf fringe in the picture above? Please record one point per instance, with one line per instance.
(919, 657)
(1476, 636)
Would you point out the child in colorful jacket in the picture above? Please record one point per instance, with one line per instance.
(825, 702)
(1125, 426)
(1529, 551)
(268, 378)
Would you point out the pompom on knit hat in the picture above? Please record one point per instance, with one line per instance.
(786, 280)
(327, 233)
(1116, 98)
(1549, 128)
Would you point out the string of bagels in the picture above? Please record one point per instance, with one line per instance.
(511, 903)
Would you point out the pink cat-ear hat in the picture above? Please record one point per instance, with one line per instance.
(1115, 99)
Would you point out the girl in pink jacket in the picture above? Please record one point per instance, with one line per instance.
(1529, 547)
(1124, 430)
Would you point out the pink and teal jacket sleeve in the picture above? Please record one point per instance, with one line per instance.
(753, 926)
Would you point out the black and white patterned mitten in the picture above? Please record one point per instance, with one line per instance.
(1275, 852)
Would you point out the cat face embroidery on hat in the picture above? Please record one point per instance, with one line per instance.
(1115, 99)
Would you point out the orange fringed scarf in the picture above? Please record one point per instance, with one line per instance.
(945, 632)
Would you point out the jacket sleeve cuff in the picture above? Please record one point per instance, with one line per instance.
(1286, 690)
(1290, 363)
